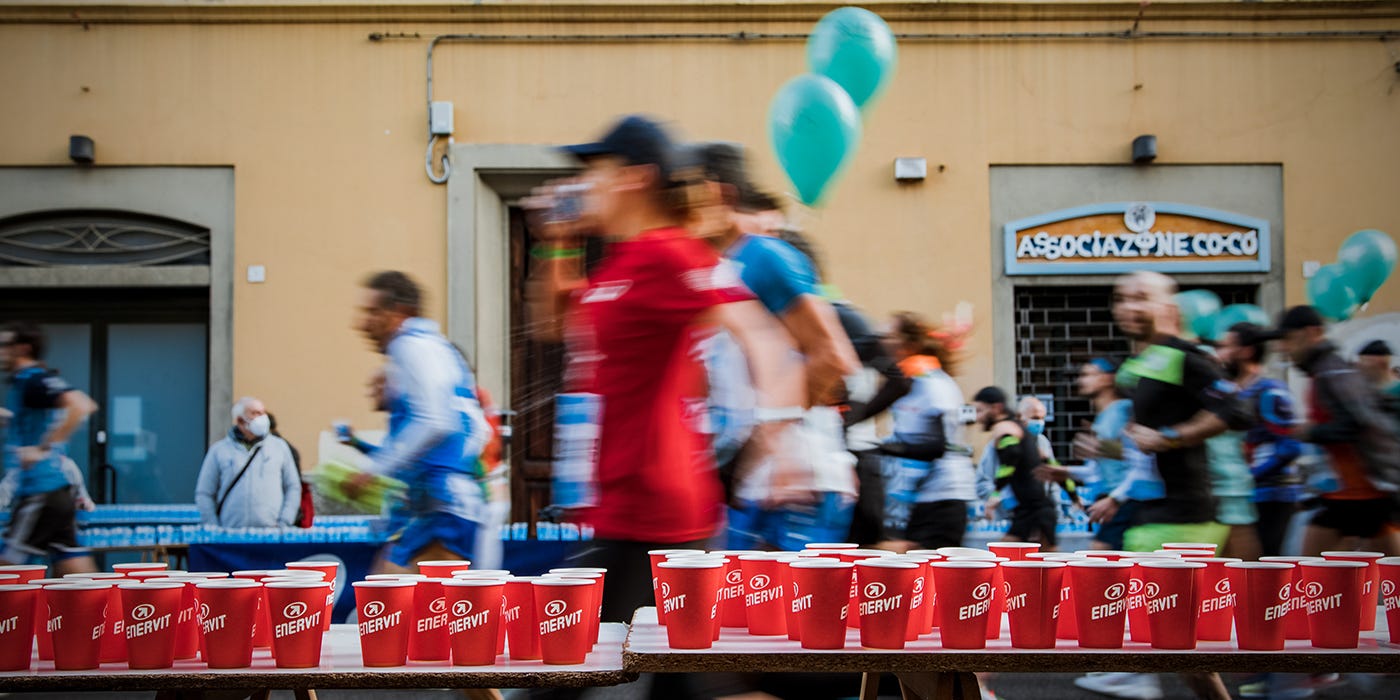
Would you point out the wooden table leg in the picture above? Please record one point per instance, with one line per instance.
(947, 685)
(304, 694)
(869, 686)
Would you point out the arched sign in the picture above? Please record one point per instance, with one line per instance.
(1117, 237)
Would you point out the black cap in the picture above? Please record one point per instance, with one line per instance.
(990, 395)
(1251, 335)
(637, 140)
(1296, 318)
(1376, 348)
(723, 162)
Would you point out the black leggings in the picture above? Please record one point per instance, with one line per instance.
(1274, 517)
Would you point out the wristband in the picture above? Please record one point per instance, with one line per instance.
(542, 252)
(764, 414)
(1172, 435)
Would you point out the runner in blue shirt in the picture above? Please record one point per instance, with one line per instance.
(45, 410)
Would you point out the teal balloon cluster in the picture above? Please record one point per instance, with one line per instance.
(1238, 313)
(814, 122)
(1198, 309)
(1364, 263)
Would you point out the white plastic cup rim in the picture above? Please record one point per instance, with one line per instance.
(591, 577)
(1190, 545)
(138, 567)
(1291, 560)
(317, 565)
(18, 587)
(1014, 545)
(50, 581)
(831, 545)
(1218, 560)
(281, 585)
(762, 556)
(251, 573)
(522, 579)
(446, 562)
(915, 558)
(579, 570)
(963, 564)
(741, 552)
(1054, 556)
(562, 582)
(994, 560)
(229, 583)
(479, 573)
(396, 577)
(1354, 555)
(925, 552)
(821, 563)
(1099, 564)
(1174, 552)
(1389, 561)
(79, 587)
(1172, 564)
(24, 567)
(863, 552)
(691, 563)
(155, 573)
(964, 552)
(384, 584)
(286, 573)
(1034, 565)
(94, 577)
(473, 582)
(1103, 553)
(669, 552)
(1335, 564)
(886, 563)
(151, 586)
(209, 574)
(691, 553)
(1275, 565)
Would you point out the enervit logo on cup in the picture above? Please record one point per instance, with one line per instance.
(874, 589)
(462, 608)
(465, 619)
(1115, 591)
(1387, 588)
(204, 610)
(375, 619)
(1152, 589)
(1313, 589)
(759, 582)
(294, 609)
(559, 619)
(1223, 586)
(1135, 586)
(1286, 592)
(983, 591)
(374, 608)
(555, 608)
(665, 590)
(734, 577)
(438, 606)
(1005, 588)
(919, 585)
(143, 611)
(297, 620)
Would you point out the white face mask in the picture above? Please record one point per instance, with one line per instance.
(259, 426)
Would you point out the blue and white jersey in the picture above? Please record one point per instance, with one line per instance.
(34, 397)
(436, 426)
(777, 273)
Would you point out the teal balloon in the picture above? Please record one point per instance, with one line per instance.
(1198, 309)
(1238, 313)
(855, 48)
(814, 128)
(1369, 258)
(1330, 291)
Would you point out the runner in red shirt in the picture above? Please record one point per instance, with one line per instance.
(631, 329)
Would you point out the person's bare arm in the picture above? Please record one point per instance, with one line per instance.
(829, 354)
(1201, 427)
(557, 269)
(76, 407)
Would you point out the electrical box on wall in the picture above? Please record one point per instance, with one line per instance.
(440, 119)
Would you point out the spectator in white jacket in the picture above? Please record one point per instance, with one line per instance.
(249, 478)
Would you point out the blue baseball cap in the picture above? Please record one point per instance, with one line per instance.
(637, 140)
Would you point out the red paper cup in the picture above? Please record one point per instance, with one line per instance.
(151, 611)
(1109, 554)
(385, 613)
(154, 574)
(885, 586)
(1138, 628)
(443, 568)
(474, 606)
(25, 572)
(964, 599)
(964, 553)
(1013, 551)
(17, 603)
(595, 613)
(764, 601)
(481, 573)
(128, 569)
(831, 545)
(563, 606)
(1295, 625)
(1263, 591)
(794, 628)
(297, 608)
(998, 595)
(732, 612)
(330, 572)
(1333, 590)
(690, 595)
(920, 596)
(599, 576)
(1032, 590)
(187, 626)
(1194, 553)
(657, 556)
(717, 558)
(522, 627)
(1370, 582)
(1172, 592)
(1192, 546)
(78, 622)
(428, 639)
(1100, 601)
(228, 609)
(1217, 610)
(262, 621)
(114, 639)
(1390, 595)
(853, 556)
(1066, 626)
(821, 597)
(41, 616)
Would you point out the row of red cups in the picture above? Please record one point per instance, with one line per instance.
(469, 617)
(974, 586)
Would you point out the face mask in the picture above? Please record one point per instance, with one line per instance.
(1035, 427)
(260, 426)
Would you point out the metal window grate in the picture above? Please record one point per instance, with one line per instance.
(100, 237)
(1060, 328)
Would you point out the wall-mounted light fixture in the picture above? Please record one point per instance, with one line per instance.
(910, 169)
(1144, 149)
(81, 150)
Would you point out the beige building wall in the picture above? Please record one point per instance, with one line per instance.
(325, 130)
